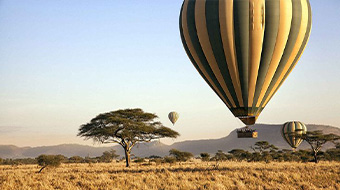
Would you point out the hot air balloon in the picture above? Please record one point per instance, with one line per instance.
(292, 132)
(245, 49)
(173, 117)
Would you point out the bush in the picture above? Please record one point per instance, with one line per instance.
(180, 156)
(20, 161)
(154, 156)
(90, 160)
(205, 156)
(169, 159)
(139, 160)
(108, 156)
(240, 154)
(9, 161)
(156, 160)
(49, 161)
(266, 157)
(333, 154)
(76, 159)
(221, 156)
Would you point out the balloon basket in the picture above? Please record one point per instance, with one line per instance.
(247, 133)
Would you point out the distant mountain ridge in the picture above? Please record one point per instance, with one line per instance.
(270, 133)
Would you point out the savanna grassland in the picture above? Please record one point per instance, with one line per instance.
(189, 175)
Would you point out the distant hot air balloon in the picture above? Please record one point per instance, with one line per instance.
(173, 117)
(245, 49)
(292, 132)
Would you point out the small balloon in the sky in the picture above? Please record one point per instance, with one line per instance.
(173, 117)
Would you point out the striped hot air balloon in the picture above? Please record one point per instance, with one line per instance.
(173, 117)
(245, 49)
(292, 132)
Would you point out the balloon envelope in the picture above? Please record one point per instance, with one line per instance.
(292, 132)
(245, 49)
(173, 117)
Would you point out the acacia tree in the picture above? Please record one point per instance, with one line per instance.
(126, 127)
(263, 146)
(316, 139)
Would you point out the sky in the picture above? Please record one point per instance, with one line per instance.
(63, 62)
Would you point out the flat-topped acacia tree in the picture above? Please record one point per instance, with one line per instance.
(126, 127)
(316, 139)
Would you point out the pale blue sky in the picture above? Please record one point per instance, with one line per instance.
(63, 62)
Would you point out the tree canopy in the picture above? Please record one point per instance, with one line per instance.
(263, 146)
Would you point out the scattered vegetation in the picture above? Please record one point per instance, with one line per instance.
(262, 152)
(185, 175)
(263, 168)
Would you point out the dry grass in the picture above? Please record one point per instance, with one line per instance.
(229, 175)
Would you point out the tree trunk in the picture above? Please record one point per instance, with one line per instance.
(41, 169)
(315, 157)
(127, 157)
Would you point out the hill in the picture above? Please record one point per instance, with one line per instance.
(270, 133)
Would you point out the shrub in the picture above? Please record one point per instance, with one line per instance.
(240, 154)
(205, 156)
(156, 160)
(169, 159)
(154, 156)
(180, 156)
(221, 156)
(108, 156)
(76, 159)
(20, 161)
(90, 160)
(49, 161)
(139, 160)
